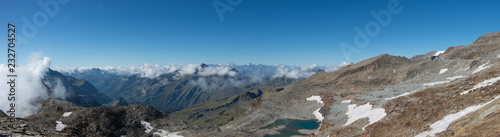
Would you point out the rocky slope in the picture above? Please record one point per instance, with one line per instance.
(213, 113)
(61, 118)
(389, 96)
(79, 91)
(119, 102)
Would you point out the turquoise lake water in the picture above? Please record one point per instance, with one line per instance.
(292, 127)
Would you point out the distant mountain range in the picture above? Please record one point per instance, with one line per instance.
(190, 84)
(79, 91)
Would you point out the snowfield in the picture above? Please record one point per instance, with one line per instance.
(443, 70)
(316, 113)
(442, 125)
(60, 126)
(355, 112)
(485, 83)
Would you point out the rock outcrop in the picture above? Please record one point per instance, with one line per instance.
(119, 102)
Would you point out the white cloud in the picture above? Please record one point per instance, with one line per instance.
(57, 89)
(152, 71)
(294, 72)
(64, 70)
(259, 71)
(333, 68)
(219, 70)
(189, 69)
(29, 88)
(202, 83)
(147, 70)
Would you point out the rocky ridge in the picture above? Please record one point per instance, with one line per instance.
(61, 118)
(412, 94)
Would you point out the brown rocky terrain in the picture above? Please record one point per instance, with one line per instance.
(413, 94)
(95, 121)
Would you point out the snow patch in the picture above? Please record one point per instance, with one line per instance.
(485, 83)
(438, 53)
(449, 79)
(333, 68)
(160, 132)
(67, 114)
(442, 125)
(147, 125)
(435, 83)
(480, 68)
(315, 98)
(60, 126)
(346, 101)
(316, 113)
(443, 70)
(404, 94)
(455, 77)
(164, 133)
(355, 112)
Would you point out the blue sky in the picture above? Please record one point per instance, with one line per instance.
(290, 32)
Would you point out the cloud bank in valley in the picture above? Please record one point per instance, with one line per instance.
(30, 91)
(274, 71)
(213, 76)
(295, 72)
